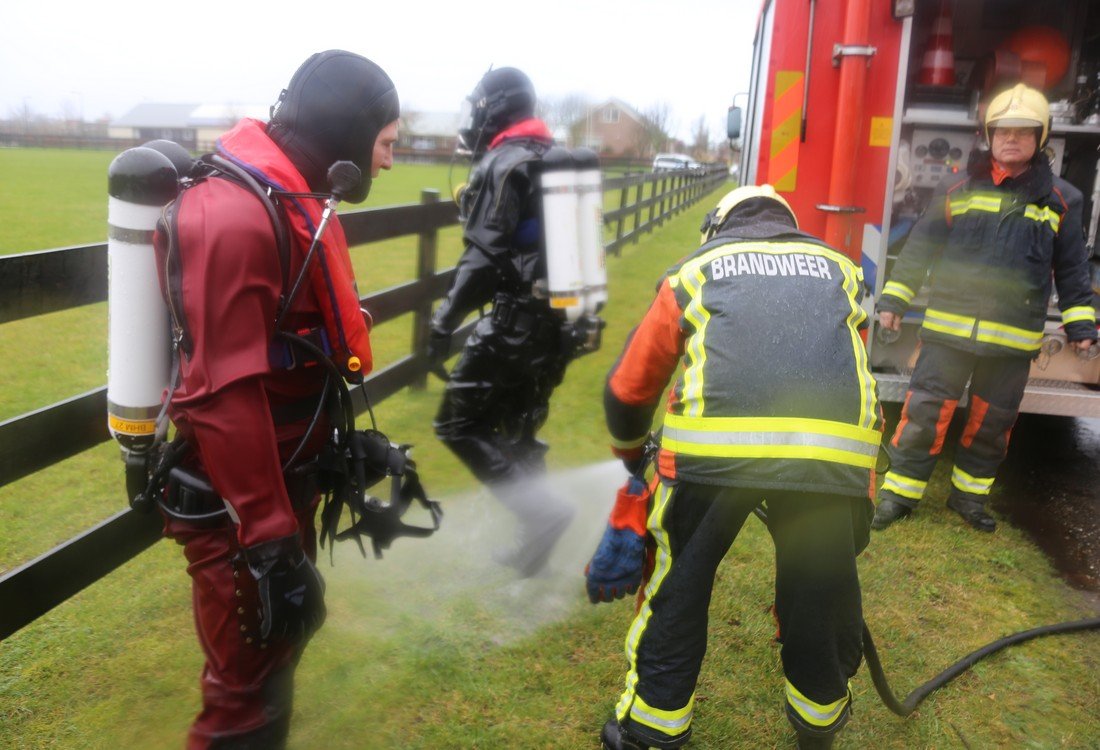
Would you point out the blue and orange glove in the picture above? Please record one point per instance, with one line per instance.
(617, 567)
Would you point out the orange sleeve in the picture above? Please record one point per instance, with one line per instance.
(638, 378)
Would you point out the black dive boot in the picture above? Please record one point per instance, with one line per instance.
(971, 509)
(888, 511)
(541, 519)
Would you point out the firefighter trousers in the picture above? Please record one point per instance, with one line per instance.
(817, 603)
(996, 389)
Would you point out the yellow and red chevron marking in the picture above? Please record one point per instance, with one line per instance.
(787, 119)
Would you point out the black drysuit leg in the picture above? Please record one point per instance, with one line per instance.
(497, 398)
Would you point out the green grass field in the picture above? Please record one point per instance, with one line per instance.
(433, 646)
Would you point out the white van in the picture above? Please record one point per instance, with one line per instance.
(673, 162)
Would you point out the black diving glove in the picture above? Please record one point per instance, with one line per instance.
(439, 345)
(292, 592)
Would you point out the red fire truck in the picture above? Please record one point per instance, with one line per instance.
(857, 108)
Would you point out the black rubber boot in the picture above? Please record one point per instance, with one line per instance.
(614, 737)
(888, 511)
(972, 510)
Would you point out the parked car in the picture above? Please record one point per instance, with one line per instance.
(673, 162)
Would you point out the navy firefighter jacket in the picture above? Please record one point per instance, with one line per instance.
(760, 327)
(989, 251)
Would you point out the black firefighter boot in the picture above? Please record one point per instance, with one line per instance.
(972, 509)
(889, 510)
(812, 737)
(614, 737)
(815, 741)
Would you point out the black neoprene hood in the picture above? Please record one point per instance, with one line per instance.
(333, 110)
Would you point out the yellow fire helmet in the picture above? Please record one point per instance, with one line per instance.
(1019, 107)
(713, 221)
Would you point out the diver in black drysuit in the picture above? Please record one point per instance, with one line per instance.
(498, 393)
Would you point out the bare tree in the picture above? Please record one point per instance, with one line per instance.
(657, 122)
(566, 113)
(23, 115)
(700, 144)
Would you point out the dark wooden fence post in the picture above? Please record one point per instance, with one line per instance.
(426, 252)
(622, 219)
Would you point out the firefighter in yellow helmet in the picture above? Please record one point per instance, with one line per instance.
(735, 325)
(991, 241)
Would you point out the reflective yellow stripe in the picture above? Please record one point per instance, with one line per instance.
(668, 722)
(968, 483)
(899, 290)
(868, 388)
(632, 443)
(662, 564)
(904, 486)
(1043, 214)
(771, 437)
(696, 313)
(1010, 336)
(1077, 314)
(815, 714)
(975, 202)
(949, 323)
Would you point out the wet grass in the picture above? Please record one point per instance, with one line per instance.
(434, 647)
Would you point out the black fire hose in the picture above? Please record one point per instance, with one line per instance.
(906, 707)
(914, 699)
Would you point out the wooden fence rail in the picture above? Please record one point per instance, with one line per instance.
(37, 283)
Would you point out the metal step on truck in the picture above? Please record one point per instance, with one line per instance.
(856, 110)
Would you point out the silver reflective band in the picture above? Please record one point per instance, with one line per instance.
(805, 439)
(132, 236)
(809, 710)
(647, 718)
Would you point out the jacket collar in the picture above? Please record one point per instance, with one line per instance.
(532, 127)
(1032, 185)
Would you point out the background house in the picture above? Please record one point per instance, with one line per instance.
(614, 129)
(194, 126)
(428, 133)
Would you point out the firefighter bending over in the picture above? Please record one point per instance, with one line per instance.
(498, 394)
(773, 401)
(991, 241)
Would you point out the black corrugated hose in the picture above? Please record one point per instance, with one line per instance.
(906, 707)
(909, 705)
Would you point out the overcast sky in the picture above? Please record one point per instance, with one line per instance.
(92, 59)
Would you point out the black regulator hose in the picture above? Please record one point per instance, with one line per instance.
(909, 705)
(906, 707)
